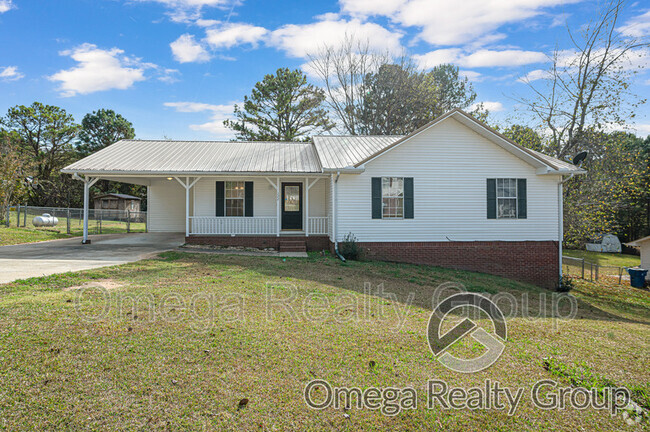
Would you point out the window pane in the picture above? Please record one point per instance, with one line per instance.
(234, 207)
(392, 197)
(507, 208)
(292, 198)
(234, 189)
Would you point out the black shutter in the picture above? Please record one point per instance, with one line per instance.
(376, 197)
(522, 204)
(221, 201)
(408, 197)
(248, 199)
(491, 198)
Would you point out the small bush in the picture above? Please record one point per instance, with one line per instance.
(565, 284)
(349, 247)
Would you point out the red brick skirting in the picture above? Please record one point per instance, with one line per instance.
(536, 262)
(314, 243)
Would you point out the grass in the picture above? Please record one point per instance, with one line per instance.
(14, 235)
(605, 259)
(10, 236)
(149, 361)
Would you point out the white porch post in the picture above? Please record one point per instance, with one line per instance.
(306, 206)
(277, 212)
(187, 185)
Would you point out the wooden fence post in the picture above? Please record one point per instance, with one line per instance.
(583, 268)
(128, 221)
(17, 215)
(68, 221)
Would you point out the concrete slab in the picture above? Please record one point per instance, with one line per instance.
(60, 256)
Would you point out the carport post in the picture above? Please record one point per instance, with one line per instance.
(88, 182)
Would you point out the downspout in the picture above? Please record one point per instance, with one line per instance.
(334, 202)
(560, 207)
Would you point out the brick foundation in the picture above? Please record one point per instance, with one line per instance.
(535, 262)
(314, 243)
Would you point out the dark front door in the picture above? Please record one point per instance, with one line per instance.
(292, 206)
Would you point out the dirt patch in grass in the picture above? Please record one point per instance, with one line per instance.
(107, 284)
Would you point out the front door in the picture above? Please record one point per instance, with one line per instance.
(292, 206)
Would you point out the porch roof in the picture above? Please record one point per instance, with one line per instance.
(144, 157)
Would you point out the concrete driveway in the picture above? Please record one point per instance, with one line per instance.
(60, 256)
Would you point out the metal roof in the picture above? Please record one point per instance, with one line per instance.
(138, 157)
(182, 157)
(347, 151)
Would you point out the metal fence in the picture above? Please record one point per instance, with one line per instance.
(100, 221)
(579, 267)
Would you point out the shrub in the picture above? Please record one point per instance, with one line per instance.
(565, 284)
(349, 247)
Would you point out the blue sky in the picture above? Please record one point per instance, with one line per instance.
(174, 68)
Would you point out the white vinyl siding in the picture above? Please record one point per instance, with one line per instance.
(450, 164)
(166, 206)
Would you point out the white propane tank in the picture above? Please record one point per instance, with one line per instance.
(46, 220)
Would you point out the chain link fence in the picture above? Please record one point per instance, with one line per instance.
(100, 221)
(579, 267)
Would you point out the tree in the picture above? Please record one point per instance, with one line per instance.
(14, 170)
(281, 107)
(374, 93)
(343, 70)
(450, 89)
(613, 195)
(525, 137)
(587, 86)
(45, 135)
(102, 128)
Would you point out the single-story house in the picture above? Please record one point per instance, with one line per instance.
(644, 247)
(117, 201)
(454, 193)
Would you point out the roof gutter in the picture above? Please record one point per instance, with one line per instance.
(346, 170)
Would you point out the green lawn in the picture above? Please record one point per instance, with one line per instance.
(604, 259)
(10, 236)
(149, 361)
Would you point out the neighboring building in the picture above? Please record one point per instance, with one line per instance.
(454, 193)
(644, 246)
(116, 201)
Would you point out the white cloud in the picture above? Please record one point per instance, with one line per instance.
(10, 73)
(302, 40)
(534, 75)
(228, 35)
(489, 105)
(218, 113)
(188, 11)
(186, 50)
(480, 58)
(99, 70)
(6, 5)
(560, 19)
(471, 75)
(637, 27)
(641, 130)
(450, 23)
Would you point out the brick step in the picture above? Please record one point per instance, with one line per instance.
(293, 246)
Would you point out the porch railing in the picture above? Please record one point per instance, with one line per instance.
(233, 225)
(318, 225)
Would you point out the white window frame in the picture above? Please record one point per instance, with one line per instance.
(226, 198)
(383, 196)
(515, 198)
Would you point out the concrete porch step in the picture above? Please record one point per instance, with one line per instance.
(293, 246)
